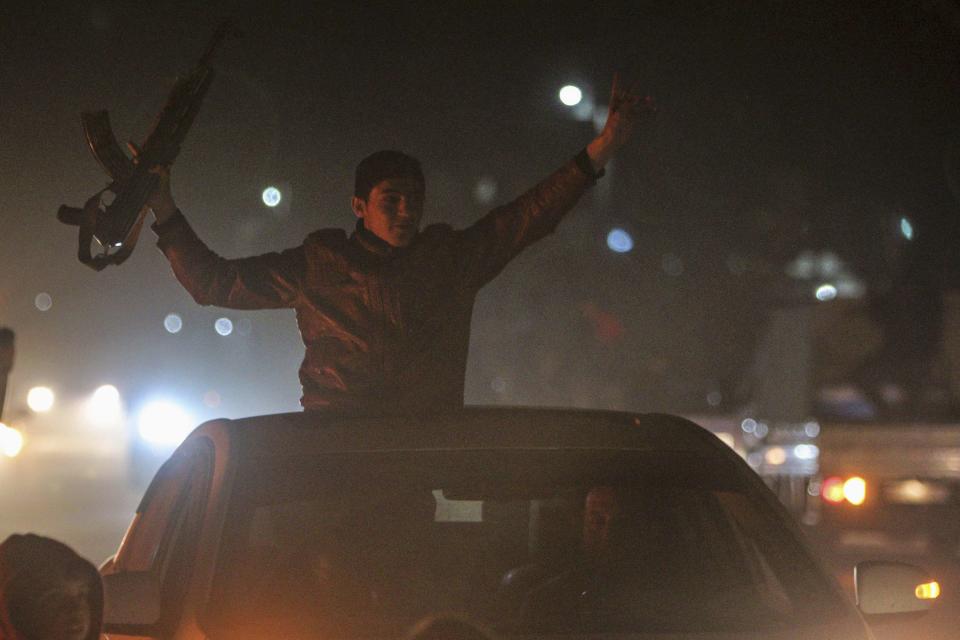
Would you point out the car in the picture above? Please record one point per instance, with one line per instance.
(889, 486)
(525, 521)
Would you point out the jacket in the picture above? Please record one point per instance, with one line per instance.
(386, 329)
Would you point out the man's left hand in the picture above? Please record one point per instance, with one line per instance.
(627, 109)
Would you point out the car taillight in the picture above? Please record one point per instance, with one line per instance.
(832, 490)
(853, 490)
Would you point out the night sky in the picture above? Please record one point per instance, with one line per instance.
(783, 128)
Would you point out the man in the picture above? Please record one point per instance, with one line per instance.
(385, 312)
(47, 592)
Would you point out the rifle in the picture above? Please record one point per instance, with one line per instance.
(116, 226)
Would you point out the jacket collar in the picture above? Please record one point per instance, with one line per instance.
(373, 243)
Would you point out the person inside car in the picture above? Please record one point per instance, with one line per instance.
(384, 313)
(570, 594)
(47, 591)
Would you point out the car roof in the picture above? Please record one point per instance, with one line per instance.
(306, 433)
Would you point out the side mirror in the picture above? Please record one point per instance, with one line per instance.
(884, 588)
(130, 599)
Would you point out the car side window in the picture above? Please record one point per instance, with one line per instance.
(170, 511)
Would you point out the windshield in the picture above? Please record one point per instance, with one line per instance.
(520, 541)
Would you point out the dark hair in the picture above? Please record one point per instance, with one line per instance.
(383, 165)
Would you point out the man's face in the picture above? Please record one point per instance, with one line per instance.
(600, 511)
(393, 210)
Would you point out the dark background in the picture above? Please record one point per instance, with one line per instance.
(784, 127)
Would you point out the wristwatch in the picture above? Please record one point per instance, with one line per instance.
(584, 164)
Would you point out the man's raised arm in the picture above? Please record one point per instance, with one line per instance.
(490, 243)
(267, 281)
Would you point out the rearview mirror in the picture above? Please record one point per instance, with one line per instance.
(130, 599)
(884, 588)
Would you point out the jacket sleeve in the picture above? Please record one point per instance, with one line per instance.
(268, 281)
(490, 243)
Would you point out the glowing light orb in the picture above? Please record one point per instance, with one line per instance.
(163, 422)
(173, 323)
(619, 241)
(11, 441)
(826, 292)
(775, 456)
(271, 196)
(906, 228)
(486, 190)
(43, 301)
(40, 399)
(806, 451)
(832, 490)
(855, 490)
(223, 326)
(570, 95)
(104, 405)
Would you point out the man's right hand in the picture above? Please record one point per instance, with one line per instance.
(161, 201)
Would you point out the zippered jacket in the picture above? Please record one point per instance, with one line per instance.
(386, 329)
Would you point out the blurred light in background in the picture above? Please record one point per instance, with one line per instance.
(775, 456)
(571, 95)
(162, 422)
(486, 190)
(599, 117)
(832, 490)
(826, 292)
(11, 441)
(714, 398)
(173, 323)
(223, 326)
(40, 399)
(271, 196)
(928, 591)
(906, 228)
(806, 451)
(619, 240)
(103, 407)
(211, 399)
(855, 490)
(43, 301)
